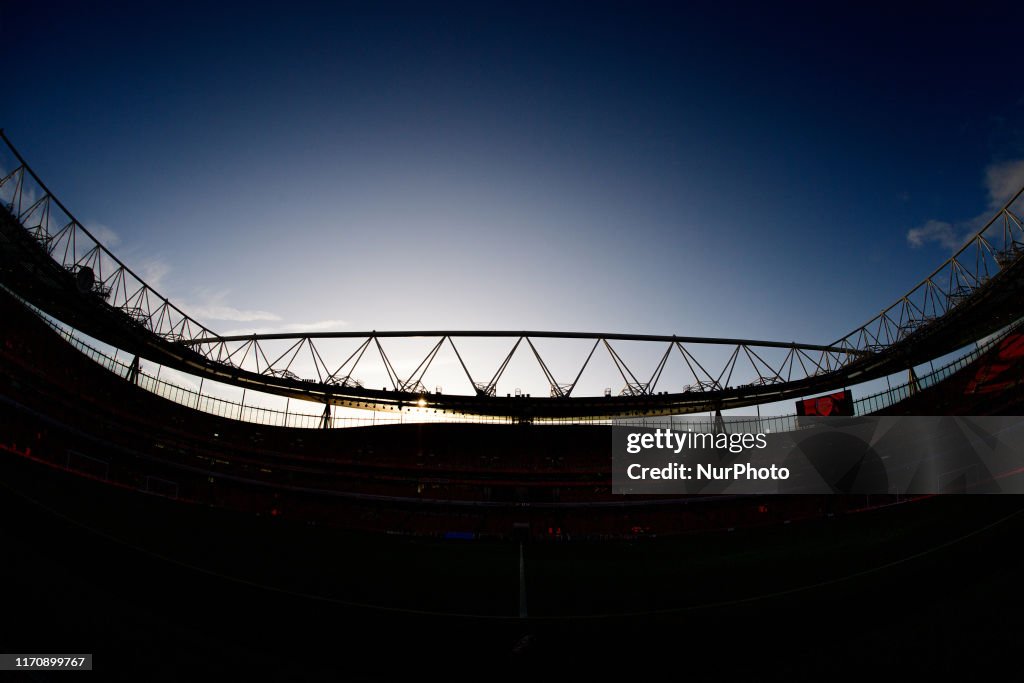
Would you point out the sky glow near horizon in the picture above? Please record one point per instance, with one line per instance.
(728, 170)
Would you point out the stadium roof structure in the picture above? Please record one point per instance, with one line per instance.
(51, 260)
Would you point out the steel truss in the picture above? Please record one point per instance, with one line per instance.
(793, 361)
(994, 248)
(271, 361)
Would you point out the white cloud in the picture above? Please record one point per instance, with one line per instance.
(1003, 180)
(946, 234)
(152, 270)
(103, 234)
(229, 313)
(212, 306)
(318, 326)
(28, 193)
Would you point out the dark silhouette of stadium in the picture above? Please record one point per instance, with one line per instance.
(164, 509)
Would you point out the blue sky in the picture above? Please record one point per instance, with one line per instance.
(723, 169)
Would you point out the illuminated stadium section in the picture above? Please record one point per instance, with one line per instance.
(503, 505)
(464, 480)
(473, 465)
